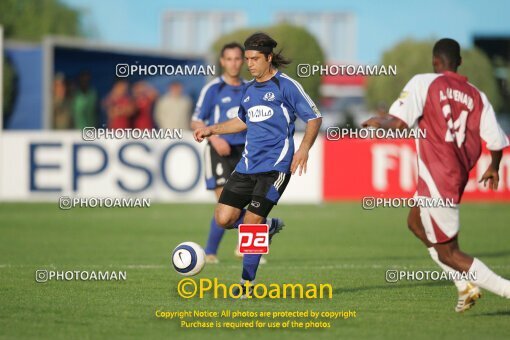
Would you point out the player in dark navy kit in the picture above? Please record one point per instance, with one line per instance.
(270, 104)
(218, 102)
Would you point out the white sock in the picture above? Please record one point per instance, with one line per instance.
(460, 284)
(489, 280)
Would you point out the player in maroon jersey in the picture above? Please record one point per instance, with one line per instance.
(456, 117)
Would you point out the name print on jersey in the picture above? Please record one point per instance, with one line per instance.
(456, 129)
(458, 96)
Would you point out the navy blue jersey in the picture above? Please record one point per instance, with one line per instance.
(269, 109)
(219, 102)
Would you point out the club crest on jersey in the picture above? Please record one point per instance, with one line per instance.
(259, 113)
(247, 99)
(269, 96)
(226, 100)
(232, 112)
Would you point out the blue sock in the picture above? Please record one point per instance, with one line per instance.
(250, 265)
(215, 236)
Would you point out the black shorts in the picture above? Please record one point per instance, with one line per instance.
(261, 191)
(218, 168)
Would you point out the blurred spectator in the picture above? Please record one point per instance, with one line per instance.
(84, 103)
(119, 106)
(61, 103)
(173, 110)
(144, 96)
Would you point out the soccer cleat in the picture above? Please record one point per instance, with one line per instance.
(211, 259)
(467, 298)
(275, 226)
(237, 253)
(236, 292)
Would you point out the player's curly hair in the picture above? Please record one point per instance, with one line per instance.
(263, 40)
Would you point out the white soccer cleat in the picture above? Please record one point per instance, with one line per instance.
(467, 298)
(211, 259)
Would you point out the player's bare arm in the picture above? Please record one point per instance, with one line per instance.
(233, 125)
(301, 156)
(491, 174)
(389, 123)
(219, 144)
(197, 124)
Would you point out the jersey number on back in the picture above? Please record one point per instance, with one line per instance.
(456, 129)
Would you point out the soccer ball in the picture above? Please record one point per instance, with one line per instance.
(188, 258)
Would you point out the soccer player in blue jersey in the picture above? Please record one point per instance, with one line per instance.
(270, 104)
(218, 102)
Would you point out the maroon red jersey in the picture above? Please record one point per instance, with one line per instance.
(119, 113)
(455, 117)
(143, 117)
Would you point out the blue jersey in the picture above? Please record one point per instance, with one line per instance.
(269, 109)
(219, 102)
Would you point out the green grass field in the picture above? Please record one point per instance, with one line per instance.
(332, 243)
